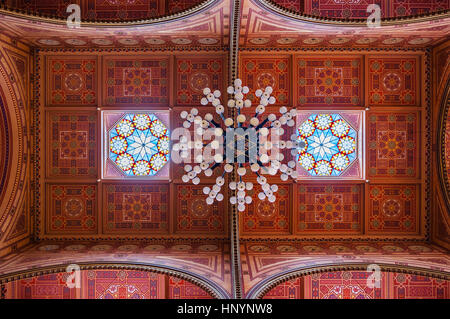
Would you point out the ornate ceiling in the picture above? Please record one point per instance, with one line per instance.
(205, 25)
(71, 99)
(350, 9)
(266, 25)
(104, 10)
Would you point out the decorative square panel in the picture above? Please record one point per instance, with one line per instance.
(330, 144)
(72, 209)
(291, 289)
(136, 208)
(329, 81)
(393, 209)
(406, 286)
(72, 82)
(258, 73)
(194, 215)
(123, 284)
(393, 144)
(193, 75)
(329, 208)
(71, 143)
(393, 81)
(136, 144)
(136, 81)
(341, 285)
(262, 216)
(51, 286)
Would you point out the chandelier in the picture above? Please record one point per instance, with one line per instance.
(239, 144)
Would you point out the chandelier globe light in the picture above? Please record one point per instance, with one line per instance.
(246, 138)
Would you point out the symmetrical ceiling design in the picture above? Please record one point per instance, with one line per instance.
(75, 102)
(387, 197)
(103, 202)
(208, 260)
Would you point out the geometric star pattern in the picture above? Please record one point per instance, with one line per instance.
(139, 144)
(327, 145)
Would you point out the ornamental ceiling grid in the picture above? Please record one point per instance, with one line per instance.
(395, 177)
(391, 88)
(76, 83)
(80, 201)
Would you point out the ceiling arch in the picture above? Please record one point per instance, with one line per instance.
(265, 24)
(202, 282)
(443, 136)
(259, 290)
(110, 11)
(205, 25)
(14, 165)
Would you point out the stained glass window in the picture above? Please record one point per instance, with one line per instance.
(327, 144)
(139, 144)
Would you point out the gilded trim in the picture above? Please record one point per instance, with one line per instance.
(444, 106)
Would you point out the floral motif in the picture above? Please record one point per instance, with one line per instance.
(329, 81)
(391, 208)
(392, 82)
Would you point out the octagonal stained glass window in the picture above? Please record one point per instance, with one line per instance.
(139, 144)
(327, 145)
